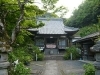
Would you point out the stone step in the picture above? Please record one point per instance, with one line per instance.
(53, 57)
(51, 51)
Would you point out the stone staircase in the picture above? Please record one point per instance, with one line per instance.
(52, 54)
(53, 57)
(51, 51)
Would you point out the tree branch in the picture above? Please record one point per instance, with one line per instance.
(17, 27)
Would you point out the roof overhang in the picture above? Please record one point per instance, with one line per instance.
(89, 37)
(70, 30)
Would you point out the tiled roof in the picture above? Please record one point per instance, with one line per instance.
(89, 36)
(68, 29)
(53, 26)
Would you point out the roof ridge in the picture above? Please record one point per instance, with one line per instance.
(54, 19)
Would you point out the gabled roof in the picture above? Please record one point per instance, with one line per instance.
(54, 26)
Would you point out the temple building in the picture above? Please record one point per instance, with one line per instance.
(53, 35)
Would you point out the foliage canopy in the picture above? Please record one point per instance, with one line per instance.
(85, 15)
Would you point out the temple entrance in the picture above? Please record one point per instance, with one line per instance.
(51, 46)
(51, 43)
(51, 40)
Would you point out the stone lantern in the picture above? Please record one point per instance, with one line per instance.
(96, 50)
(4, 49)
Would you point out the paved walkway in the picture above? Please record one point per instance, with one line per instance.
(58, 67)
(37, 67)
(71, 67)
(51, 68)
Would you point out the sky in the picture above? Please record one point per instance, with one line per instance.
(69, 4)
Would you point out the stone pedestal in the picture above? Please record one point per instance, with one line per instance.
(97, 65)
(97, 62)
(3, 72)
(97, 72)
(97, 57)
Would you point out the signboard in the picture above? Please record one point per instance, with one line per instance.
(50, 46)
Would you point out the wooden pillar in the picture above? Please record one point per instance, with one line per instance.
(57, 43)
(44, 43)
(68, 42)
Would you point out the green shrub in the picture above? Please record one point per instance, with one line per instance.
(19, 69)
(73, 50)
(40, 57)
(89, 69)
(67, 56)
(21, 54)
(12, 57)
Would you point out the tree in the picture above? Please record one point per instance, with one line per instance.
(50, 6)
(17, 16)
(90, 29)
(85, 15)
